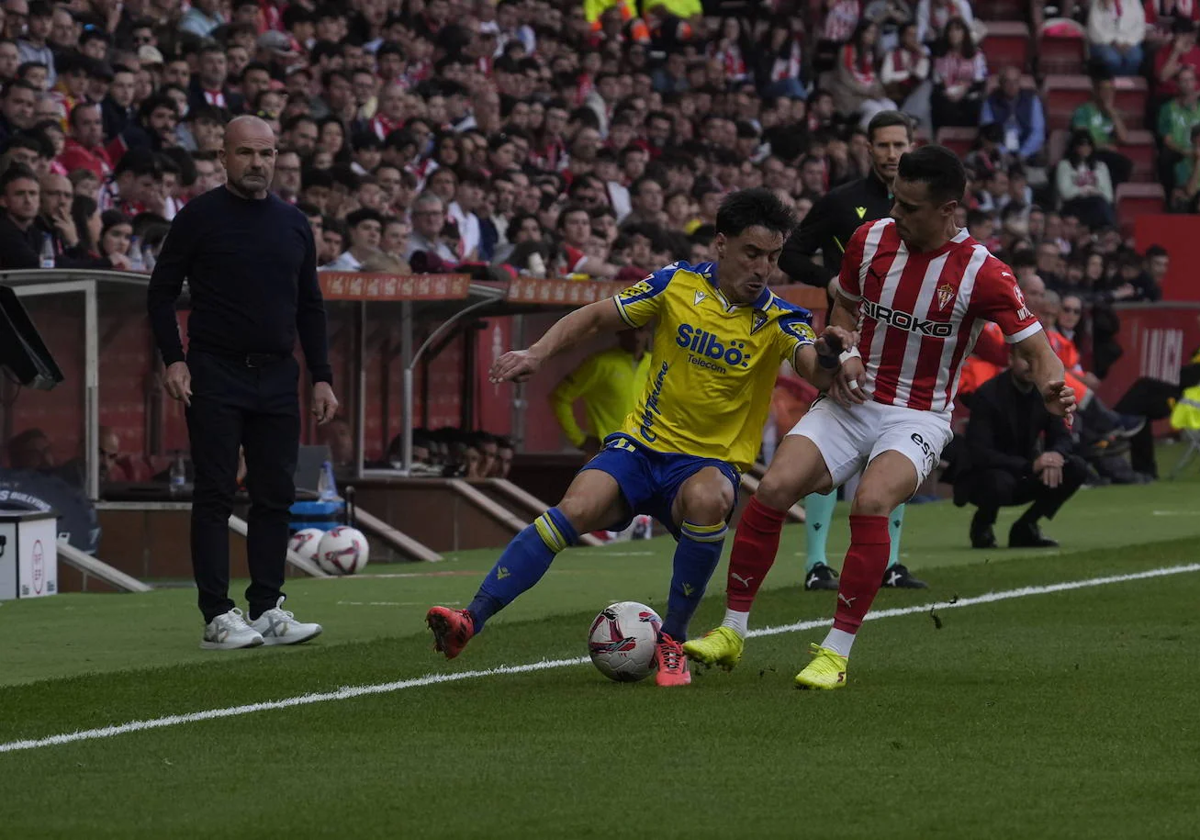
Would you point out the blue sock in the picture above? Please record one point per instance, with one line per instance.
(522, 564)
(895, 523)
(696, 558)
(818, 513)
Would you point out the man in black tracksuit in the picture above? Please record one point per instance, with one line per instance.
(827, 228)
(1016, 452)
(250, 262)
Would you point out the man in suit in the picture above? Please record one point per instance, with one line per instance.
(1016, 452)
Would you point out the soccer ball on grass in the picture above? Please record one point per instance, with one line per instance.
(622, 640)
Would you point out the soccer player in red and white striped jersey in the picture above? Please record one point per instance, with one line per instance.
(919, 291)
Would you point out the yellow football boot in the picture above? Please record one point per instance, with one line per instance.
(721, 647)
(826, 671)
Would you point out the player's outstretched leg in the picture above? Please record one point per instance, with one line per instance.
(897, 575)
(592, 501)
(818, 514)
(889, 478)
(701, 508)
(798, 468)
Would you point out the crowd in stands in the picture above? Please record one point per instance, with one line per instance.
(542, 138)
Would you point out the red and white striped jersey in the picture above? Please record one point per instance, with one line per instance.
(920, 313)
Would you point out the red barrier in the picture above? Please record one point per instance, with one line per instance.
(1157, 339)
(1180, 235)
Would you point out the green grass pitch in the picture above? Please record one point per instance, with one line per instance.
(1058, 715)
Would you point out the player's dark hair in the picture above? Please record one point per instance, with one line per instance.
(758, 207)
(939, 168)
(886, 119)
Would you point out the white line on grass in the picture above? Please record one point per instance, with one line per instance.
(350, 692)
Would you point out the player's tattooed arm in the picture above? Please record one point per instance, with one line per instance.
(573, 328)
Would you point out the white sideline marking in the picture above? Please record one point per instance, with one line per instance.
(350, 692)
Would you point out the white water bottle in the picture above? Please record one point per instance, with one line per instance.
(135, 254)
(326, 485)
(47, 258)
(178, 474)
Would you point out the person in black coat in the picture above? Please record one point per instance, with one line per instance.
(1016, 452)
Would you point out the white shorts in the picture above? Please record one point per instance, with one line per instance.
(850, 438)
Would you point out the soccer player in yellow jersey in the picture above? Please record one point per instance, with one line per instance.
(720, 338)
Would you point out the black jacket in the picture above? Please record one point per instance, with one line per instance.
(19, 248)
(828, 227)
(994, 433)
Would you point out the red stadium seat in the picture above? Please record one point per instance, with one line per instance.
(1135, 200)
(957, 140)
(1063, 94)
(1007, 44)
(1061, 48)
(1131, 99)
(1142, 151)
(1000, 10)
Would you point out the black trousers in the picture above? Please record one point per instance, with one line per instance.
(990, 490)
(1149, 398)
(258, 407)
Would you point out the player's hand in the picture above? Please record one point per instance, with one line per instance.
(1059, 399)
(178, 382)
(839, 339)
(324, 403)
(848, 381)
(514, 366)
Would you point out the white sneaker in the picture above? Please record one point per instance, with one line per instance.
(230, 631)
(280, 627)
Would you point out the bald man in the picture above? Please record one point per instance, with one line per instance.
(250, 263)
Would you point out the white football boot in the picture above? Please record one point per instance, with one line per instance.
(229, 631)
(280, 627)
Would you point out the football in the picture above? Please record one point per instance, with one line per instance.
(306, 542)
(622, 639)
(343, 551)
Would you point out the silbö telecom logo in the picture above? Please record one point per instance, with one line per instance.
(707, 350)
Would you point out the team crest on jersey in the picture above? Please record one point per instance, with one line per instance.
(945, 293)
(699, 297)
(760, 321)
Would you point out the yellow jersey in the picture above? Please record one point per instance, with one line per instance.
(609, 382)
(713, 363)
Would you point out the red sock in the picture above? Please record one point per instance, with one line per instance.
(754, 549)
(862, 573)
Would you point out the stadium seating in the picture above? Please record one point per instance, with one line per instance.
(1061, 55)
(1062, 94)
(1007, 44)
(1136, 199)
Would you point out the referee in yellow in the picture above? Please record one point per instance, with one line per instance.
(609, 383)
